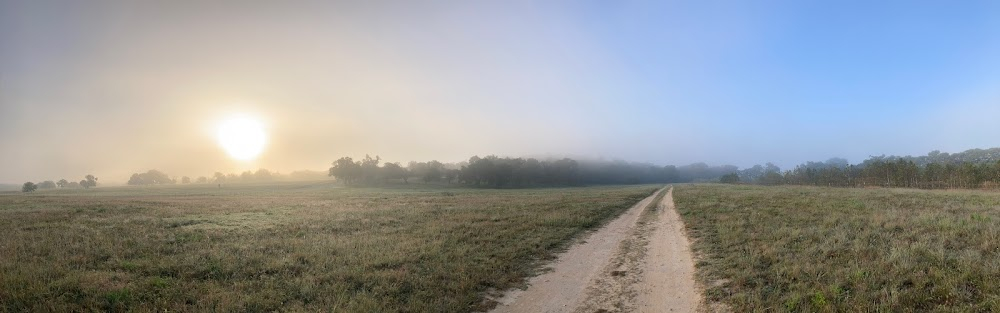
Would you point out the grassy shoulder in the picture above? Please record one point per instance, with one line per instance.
(291, 247)
(829, 249)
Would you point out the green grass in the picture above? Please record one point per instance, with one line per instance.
(291, 247)
(810, 249)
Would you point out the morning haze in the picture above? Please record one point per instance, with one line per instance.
(117, 87)
(499, 156)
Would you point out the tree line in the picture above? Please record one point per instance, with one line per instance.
(506, 172)
(156, 177)
(976, 168)
(972, 169)
(87, 182)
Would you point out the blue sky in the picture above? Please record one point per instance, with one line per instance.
(811, 79)
(669, 82)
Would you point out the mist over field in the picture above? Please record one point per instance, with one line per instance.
(113, 88)
(499, 156)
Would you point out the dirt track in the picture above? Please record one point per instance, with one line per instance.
(668, 283)
(638, 262)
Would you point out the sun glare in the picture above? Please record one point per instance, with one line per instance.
(242, 137)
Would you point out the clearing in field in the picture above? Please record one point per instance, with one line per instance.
(293, 246)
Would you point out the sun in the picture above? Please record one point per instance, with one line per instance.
(242, 137)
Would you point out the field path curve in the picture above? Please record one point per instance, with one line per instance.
(641, 261)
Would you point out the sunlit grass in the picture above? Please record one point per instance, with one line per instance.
(829, 249)
(285, 247)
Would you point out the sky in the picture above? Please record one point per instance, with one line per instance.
(112, 88)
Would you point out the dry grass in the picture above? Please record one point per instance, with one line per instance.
(289, 247)
(813, 249)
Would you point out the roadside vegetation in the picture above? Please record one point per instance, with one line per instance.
(814, 249)
(293, 246)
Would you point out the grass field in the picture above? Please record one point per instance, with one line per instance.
(292, 247)
(851, 250)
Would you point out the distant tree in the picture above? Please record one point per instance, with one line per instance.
(434, 171)
(89, 181)
(29, 187)
(770, 167)
(480, 170)
(151, 177)
(246, 176)
(565, 171)
(417, 169)
(202, 179)
(529, 172)
(73, 185)
(752, 174)
(185, 180)
(48, 184)
(394, 171)
(731, 178)
(451, 174)
(670, 174)
(369, 169)
(62, 183)
(219, 177)
(136, 179)
(346, 170)
(503, 173)
(837, 162)
(263, 175)
(772, 178)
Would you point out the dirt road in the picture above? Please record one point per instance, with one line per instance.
(641, 261)
(668, 283)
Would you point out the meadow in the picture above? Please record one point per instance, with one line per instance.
(812, 249)
(286, 247)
